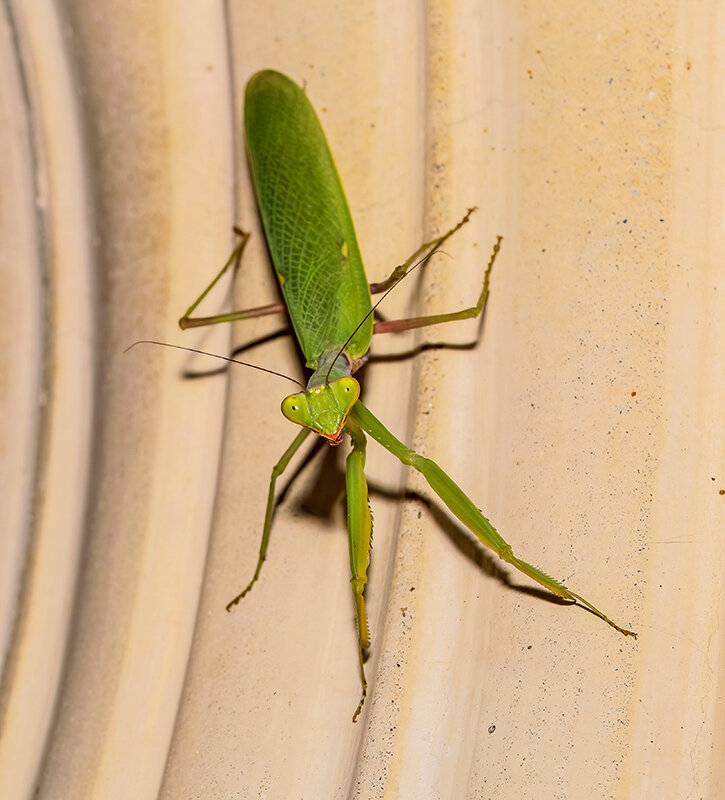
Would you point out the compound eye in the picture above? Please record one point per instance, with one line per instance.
(294, 408)
(347, 391)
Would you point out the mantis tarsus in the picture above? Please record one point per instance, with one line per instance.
(317, 260)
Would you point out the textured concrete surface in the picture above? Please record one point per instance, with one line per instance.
(586, 421)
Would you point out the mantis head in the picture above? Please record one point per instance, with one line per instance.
(323, 409)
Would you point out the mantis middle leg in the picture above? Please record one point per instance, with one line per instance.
(277, 470)
(464, 508)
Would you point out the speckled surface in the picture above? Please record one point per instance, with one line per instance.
(586, 422)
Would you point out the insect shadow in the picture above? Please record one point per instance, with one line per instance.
(324, 497)
(326, 491)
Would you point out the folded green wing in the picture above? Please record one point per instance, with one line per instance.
(306, 218)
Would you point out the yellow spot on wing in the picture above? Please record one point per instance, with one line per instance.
(280, 278)
(343, 249)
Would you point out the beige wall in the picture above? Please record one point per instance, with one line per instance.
(587, 422)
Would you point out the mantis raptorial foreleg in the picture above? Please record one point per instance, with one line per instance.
(360, 530)
(462, 506)
(277, 470)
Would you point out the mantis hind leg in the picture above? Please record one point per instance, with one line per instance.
(424, 251)
(187, 321)
(277, 470)
(398, 325)
(360, 528)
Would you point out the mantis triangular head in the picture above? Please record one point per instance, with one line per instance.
(323, 409)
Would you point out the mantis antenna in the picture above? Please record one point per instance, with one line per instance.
(372, 310)
(215, 355)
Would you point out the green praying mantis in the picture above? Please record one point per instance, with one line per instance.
(327, 296)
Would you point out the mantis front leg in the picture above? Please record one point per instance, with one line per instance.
(360, 531)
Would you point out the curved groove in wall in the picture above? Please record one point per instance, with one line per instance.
(40, 639)
(23, 324)
(584, 421)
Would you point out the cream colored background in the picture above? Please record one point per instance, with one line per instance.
(587, 423)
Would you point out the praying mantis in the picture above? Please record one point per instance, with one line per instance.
(327, 296)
